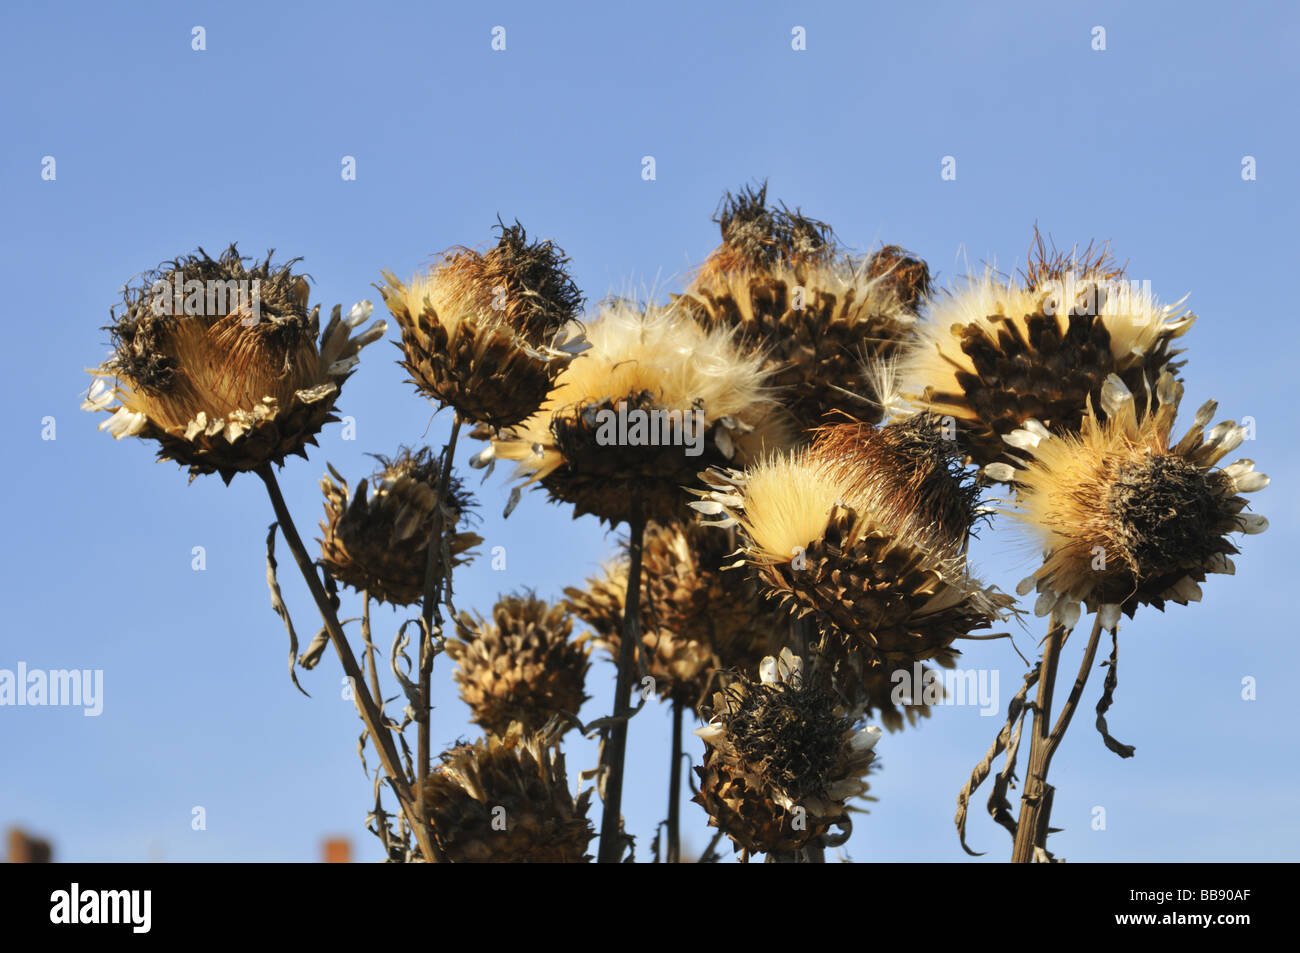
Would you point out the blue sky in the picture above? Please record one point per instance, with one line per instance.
(160, 148)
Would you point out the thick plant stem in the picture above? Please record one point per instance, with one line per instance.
(1031, 824)
(370, 713)
(1033, 827)
(675, 789)
(611, 839)
(434, 573)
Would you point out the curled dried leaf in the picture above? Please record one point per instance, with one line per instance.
(1108, 698)
(277, 603)
(1015, 711)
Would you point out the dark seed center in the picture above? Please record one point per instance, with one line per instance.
(791, 735)
(1164, 510)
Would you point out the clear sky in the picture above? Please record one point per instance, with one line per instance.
(160, 148)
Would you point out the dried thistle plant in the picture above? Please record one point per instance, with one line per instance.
(780, 280)
(378, 542)
(1060, 383)
(994, 353)
(863, 532)
(521, 665)
(1064, 386)
(630, 419)
(782, 759)
(1126, 516)
(227, 377)
(223, 365)
(622, 429)
(488, 332)
(506, 799)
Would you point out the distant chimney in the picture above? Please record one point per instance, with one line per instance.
(25, 849)
(337, 850)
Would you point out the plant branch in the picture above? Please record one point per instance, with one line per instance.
(1071, 703)
(1033, 802)
(370, 713)
(370, 651)
(611, 833)
(434, 572)
(675, 789)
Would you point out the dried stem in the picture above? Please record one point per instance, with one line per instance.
(611, 834)
(1033, 802)
(675, 789)
(370, 650)
(434, 573)
(710, 855)
(1071, 703)
(370, 713)
(1036, 805)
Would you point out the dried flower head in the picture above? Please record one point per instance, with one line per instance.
(632, 418)
(698, 623)
(865, 533)
(520, 665)
(907, 276)
(1126, 516)
(487, 333)
(506, 799)
(996, 353)
(220, 363)
(757, 236)
(680, 666)
(911, 472)
(782, 759)
(781, 282)
(379, 542)
(687, 592)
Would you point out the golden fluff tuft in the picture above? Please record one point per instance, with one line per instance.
(691, 385)
(1125, 516)
(909, 473)
(902, 478)
(995, 352)
(788, 501)
(658, 350)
